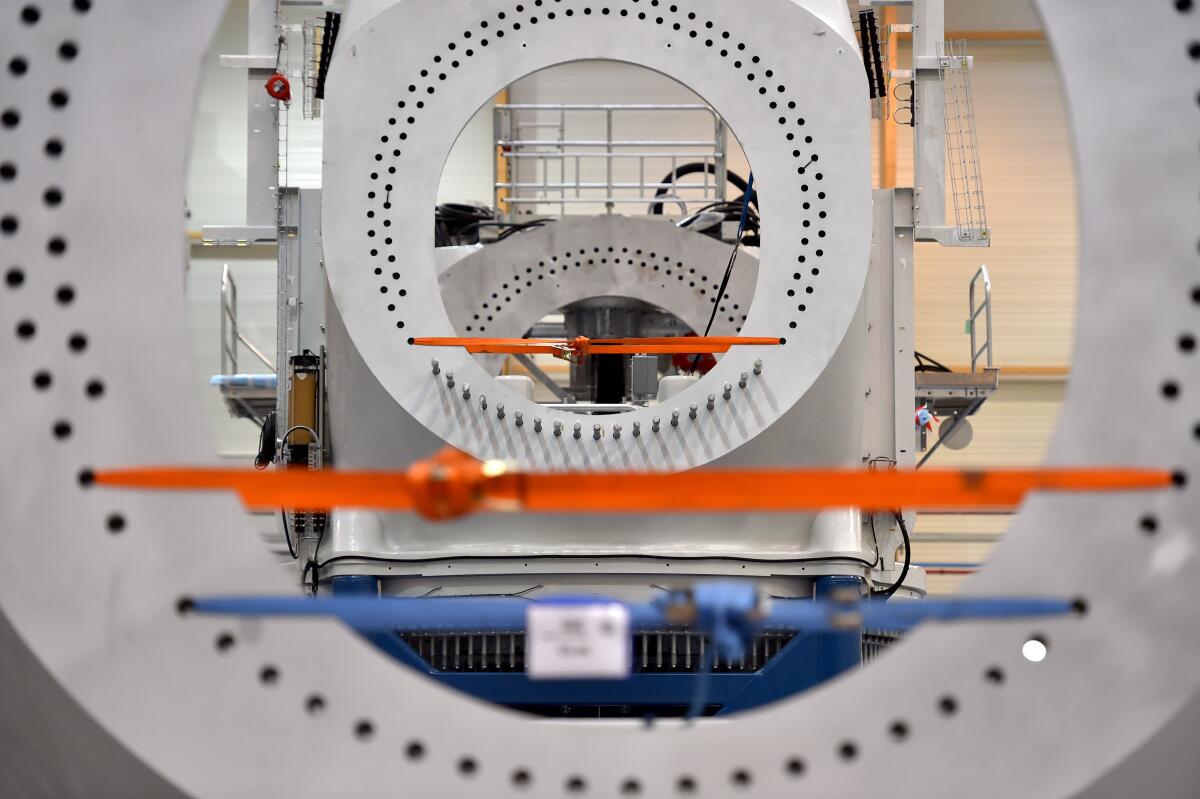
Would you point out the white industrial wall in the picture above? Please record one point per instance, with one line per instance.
(1028, 177)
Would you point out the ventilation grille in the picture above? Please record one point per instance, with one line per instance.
(665, 652)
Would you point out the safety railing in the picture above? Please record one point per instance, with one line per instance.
(962, 143)
(985, 308)
(575, 157)
(230, 337)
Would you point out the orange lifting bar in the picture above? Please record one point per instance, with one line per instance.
(453, 484)
(581, 346)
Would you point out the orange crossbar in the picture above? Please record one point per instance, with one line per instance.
(583, 346)
(453, 485)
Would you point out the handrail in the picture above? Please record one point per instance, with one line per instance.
(230, 337)
(984, 308)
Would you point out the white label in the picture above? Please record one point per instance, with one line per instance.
(577, 641)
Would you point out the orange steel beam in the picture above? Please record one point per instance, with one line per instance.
(453, 485)
(583, 346)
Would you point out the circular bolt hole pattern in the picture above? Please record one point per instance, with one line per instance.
(1034, 650)
(776, 106)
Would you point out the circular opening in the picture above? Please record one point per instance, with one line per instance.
(1035, 650)
(495, 288)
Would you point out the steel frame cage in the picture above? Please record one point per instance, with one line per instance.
(213, 704)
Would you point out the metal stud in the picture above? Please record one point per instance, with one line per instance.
(483, 402)
(655, 424)
(743, 379)
(728, 391)
(616, 431)
(449, 379)
(758, 367)
(712, 402)
(437, 369)
(692, 410)
(537, 425)
(597, 431)
(578, 430)
(558, 428)
(518, 417)
(466, 391)
(499, 410)
(637, 429)
(675, 418)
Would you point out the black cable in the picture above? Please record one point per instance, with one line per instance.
(454, 223)
(287, 536)
(746, 199)
(656, 208)
(266, 443)
(329, 34)
(519, 226)
(875, 538)
(891, 590)
(927, 364)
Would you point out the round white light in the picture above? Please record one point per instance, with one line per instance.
(1034, 650)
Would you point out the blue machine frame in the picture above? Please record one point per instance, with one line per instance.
(804, 662)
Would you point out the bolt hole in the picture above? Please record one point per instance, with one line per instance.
(631, 787)
(115, 523)
(994, 675)
(269, 675)
(576, 785)
(415, 750)
(686, 784)
(184, 605)
(948, 705)
(224, 642)
(364, 730)
(467, 767)
(1035, 649)
(848, 750)
(898, 730)
(314, 705)
(521, 777)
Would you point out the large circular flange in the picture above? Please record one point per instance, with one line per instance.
(91, 578)
(501, 290)
(405, 85)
